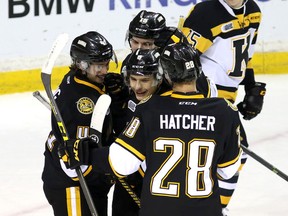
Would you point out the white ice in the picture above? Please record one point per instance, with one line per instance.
(25, 123)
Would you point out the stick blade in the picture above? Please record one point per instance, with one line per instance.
(99, 112)
(55, 51)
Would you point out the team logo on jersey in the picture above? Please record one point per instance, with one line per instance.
(85, 105)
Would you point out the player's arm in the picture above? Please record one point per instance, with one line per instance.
(127, 152)
(230, 161)
(252, 104)
(122, 158)
(116, 159)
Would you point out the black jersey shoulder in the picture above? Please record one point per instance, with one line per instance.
(252, 7)
(204, 16)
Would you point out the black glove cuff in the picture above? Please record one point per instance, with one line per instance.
(258, 89)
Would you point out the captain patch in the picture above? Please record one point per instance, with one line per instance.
(85, 105)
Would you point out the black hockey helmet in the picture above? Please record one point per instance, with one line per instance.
(147, 24)
(143, 62)
(91, 47)
(170, 35)
(180, 62)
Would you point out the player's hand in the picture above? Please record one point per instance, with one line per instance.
(114, 83)
(253, 101)
(75, 152)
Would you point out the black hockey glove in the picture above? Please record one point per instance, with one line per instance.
(253, 101)
(75, 152)
(119, 92)
(114, 83)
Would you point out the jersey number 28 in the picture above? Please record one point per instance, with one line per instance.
(198, 180)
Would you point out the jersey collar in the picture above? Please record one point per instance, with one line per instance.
(188, 95)
(230, 10)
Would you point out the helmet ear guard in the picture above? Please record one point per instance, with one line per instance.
(125, 75)
(82, 65)
(159, 75)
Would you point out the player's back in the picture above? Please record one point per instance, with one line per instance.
(190, 135)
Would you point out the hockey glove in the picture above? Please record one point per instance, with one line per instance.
(119, 92)
(253, 101)
(75, 152)
(114, 83)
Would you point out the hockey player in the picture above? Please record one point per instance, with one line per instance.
(186, 140)
(147, 30)
(225, 32)
(76, 97)
(142, 32)
(141, 73)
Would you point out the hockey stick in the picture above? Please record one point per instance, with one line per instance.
(40, 97)
(130, 191)
(264, 162)
(181, 22)
(98, 116)
(96, 125)
(95, 128)
(57, 47)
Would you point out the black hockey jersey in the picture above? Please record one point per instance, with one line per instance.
(186, 141)
(75, 98)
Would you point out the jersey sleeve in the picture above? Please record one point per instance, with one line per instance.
(230, 161)
(128, 151)
(197, 30)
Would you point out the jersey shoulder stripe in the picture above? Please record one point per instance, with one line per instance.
(83, 82)
(201, 31)
(129, 148)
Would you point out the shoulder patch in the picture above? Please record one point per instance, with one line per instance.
(85, 105)
(227, 27)
(132, 105)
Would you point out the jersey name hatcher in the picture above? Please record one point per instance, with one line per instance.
(186, 121)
